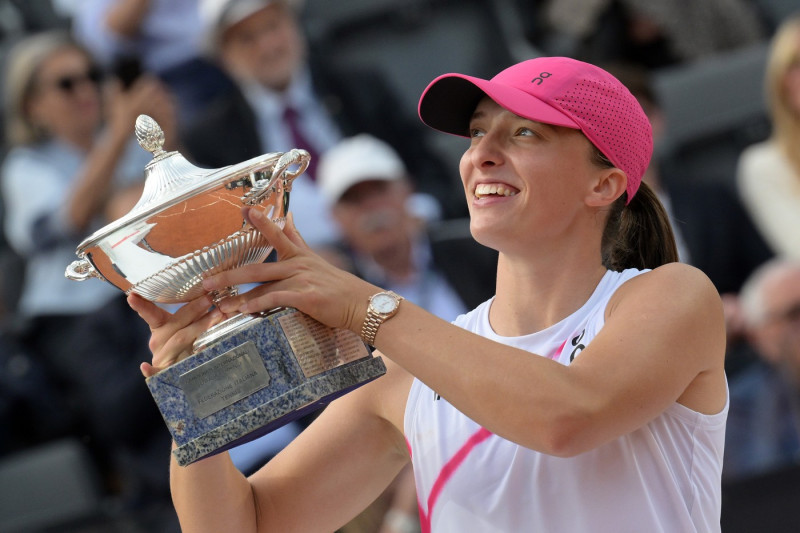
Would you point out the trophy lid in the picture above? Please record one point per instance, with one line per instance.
(170, 178)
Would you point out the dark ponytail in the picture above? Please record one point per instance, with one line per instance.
(639, 234)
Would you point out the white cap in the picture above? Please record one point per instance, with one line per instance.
(355, 160)
(219, 15)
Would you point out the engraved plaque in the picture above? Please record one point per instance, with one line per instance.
(224, 380)
(318, 347)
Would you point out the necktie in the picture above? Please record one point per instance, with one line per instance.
(291, 119)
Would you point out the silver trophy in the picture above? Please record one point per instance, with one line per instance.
(250, 374)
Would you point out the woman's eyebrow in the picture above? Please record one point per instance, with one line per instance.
(477, 114)
(542, 124)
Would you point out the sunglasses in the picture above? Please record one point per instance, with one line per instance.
(67, 84)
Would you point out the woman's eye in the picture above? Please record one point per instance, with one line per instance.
(526, 132)
(475, 132)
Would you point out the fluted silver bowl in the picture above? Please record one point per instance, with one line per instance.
(188, 222)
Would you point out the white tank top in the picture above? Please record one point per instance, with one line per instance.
(662, 477)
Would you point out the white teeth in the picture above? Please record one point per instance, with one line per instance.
(485, 189)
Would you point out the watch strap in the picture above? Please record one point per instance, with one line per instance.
(374, 319)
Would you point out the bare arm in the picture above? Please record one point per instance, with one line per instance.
(323, 479)
(93, 187)
(663, 342)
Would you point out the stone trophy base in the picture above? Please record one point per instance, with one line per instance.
(256, 379)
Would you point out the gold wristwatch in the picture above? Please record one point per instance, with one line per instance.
(382, 307)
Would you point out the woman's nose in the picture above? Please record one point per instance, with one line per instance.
(487, 151)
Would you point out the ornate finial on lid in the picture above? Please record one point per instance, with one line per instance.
(150, 135)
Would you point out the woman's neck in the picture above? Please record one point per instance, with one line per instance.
(532, 296)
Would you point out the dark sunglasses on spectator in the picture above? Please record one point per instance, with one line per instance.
(68, 83)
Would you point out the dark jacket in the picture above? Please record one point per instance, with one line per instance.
(358, 101)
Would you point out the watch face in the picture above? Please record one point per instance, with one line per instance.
(383, 303)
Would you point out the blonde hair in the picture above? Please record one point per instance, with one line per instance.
(784, 52)
(21, 69)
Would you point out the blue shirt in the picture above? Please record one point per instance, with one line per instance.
(36, 181)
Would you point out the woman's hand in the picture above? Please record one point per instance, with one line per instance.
(299, 279)
(149, 96)
(172, 335)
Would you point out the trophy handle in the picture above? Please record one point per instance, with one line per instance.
(263, 188)
(294, 156)
(80, 270)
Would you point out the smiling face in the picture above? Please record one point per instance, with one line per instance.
(528, 183)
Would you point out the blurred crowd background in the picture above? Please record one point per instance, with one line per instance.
(82, 445)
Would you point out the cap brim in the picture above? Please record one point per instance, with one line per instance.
(447, 104)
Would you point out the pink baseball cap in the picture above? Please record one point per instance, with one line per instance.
(554, 90)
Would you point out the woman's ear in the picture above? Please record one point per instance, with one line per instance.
(610, 185)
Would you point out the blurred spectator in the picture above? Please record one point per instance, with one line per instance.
(651, 34)
(369, 190)
(769, 172)
(289, 96)
(763, 430)
(66, 167)
(161, 37)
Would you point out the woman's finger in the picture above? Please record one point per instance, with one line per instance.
(178, 345)
(269, 300)
(259, 299)
(253, 273)
(155, 316)
(148, 370)
(277, 238)
(191, 311)
(186, 325)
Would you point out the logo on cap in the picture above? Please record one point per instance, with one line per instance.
(540, 78)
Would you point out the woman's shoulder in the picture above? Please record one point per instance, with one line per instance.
(675, 302)
(674, 282)
(676, 272)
